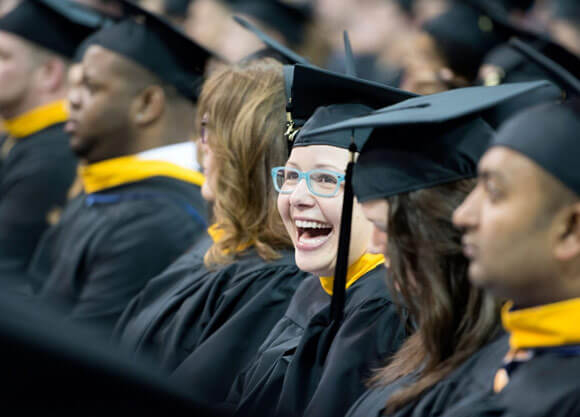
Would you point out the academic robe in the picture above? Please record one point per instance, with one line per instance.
(210, 323)
(56, 368)
(546, 386)
(36, 172)
(468, 380)
(109, 244)
(312, 367)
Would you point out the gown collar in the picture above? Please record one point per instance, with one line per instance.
(114, 172)
(364, 264)
(36, 119)
(549, 325)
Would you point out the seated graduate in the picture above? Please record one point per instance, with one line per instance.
(216, 304)
(522, 236)
(415, 169)
(314, 361)
(37, 167)
(141, 205)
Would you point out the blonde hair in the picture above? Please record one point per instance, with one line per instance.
(245, 105)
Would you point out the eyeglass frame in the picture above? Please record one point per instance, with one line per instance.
(306, 176)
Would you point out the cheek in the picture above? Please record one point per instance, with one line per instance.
(284, 210)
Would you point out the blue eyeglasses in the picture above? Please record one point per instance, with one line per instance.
(320, 182)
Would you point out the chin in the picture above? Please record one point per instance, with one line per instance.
(315, 264)
(79, 148)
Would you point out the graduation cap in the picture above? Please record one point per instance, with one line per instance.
(464, 36)
(286, 16)
(426, 141)
(528, 131)
(57, 25)
(273, 47)
(157, 45)
(308, 88)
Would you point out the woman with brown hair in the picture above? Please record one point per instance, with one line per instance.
(217, 302)
(411, 175)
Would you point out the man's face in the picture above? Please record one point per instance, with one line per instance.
(17, 70)
(99, 103)
(509, 232)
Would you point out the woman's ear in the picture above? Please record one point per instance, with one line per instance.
(148, 106)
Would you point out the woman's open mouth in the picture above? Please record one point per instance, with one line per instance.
(312, 234)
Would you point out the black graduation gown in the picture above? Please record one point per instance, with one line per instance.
(307, 366)
(215, 320)
(548, 385)
(468, 380)
(108, 245)
(35, 176)
(54, 368)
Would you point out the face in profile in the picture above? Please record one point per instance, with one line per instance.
(376, 211)
(17, 68)
(99, 104)
(208, 161)
(313, 221)
(509, 230)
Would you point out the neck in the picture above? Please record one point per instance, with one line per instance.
(162, 134)
(28, 104)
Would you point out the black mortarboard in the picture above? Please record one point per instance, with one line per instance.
(548, 135)
(287, 17)
(308, 88)
(464, 36)
(157, 45)
(273, 48)
(558, 122)
(427, 140)
(57, 25)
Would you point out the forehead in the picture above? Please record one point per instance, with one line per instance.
(11, 42)
(99, 62)
(315, 156)
(512, 168)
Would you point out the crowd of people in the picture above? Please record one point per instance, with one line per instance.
(290, 208)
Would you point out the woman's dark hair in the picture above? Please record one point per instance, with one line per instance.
(428, 272)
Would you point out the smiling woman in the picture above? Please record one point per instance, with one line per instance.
(301, 367)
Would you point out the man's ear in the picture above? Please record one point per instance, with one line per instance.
(52, 74)
(568, 237)
(148, 105)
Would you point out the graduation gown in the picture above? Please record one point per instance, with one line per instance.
(469, 379)
(546, 386)
(36, 171)
(539, 377)
(211, 320)
(109, 244)
(308, 366)
(55, 368)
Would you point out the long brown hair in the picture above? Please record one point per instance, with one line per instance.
(246, 112)
(428, 271)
